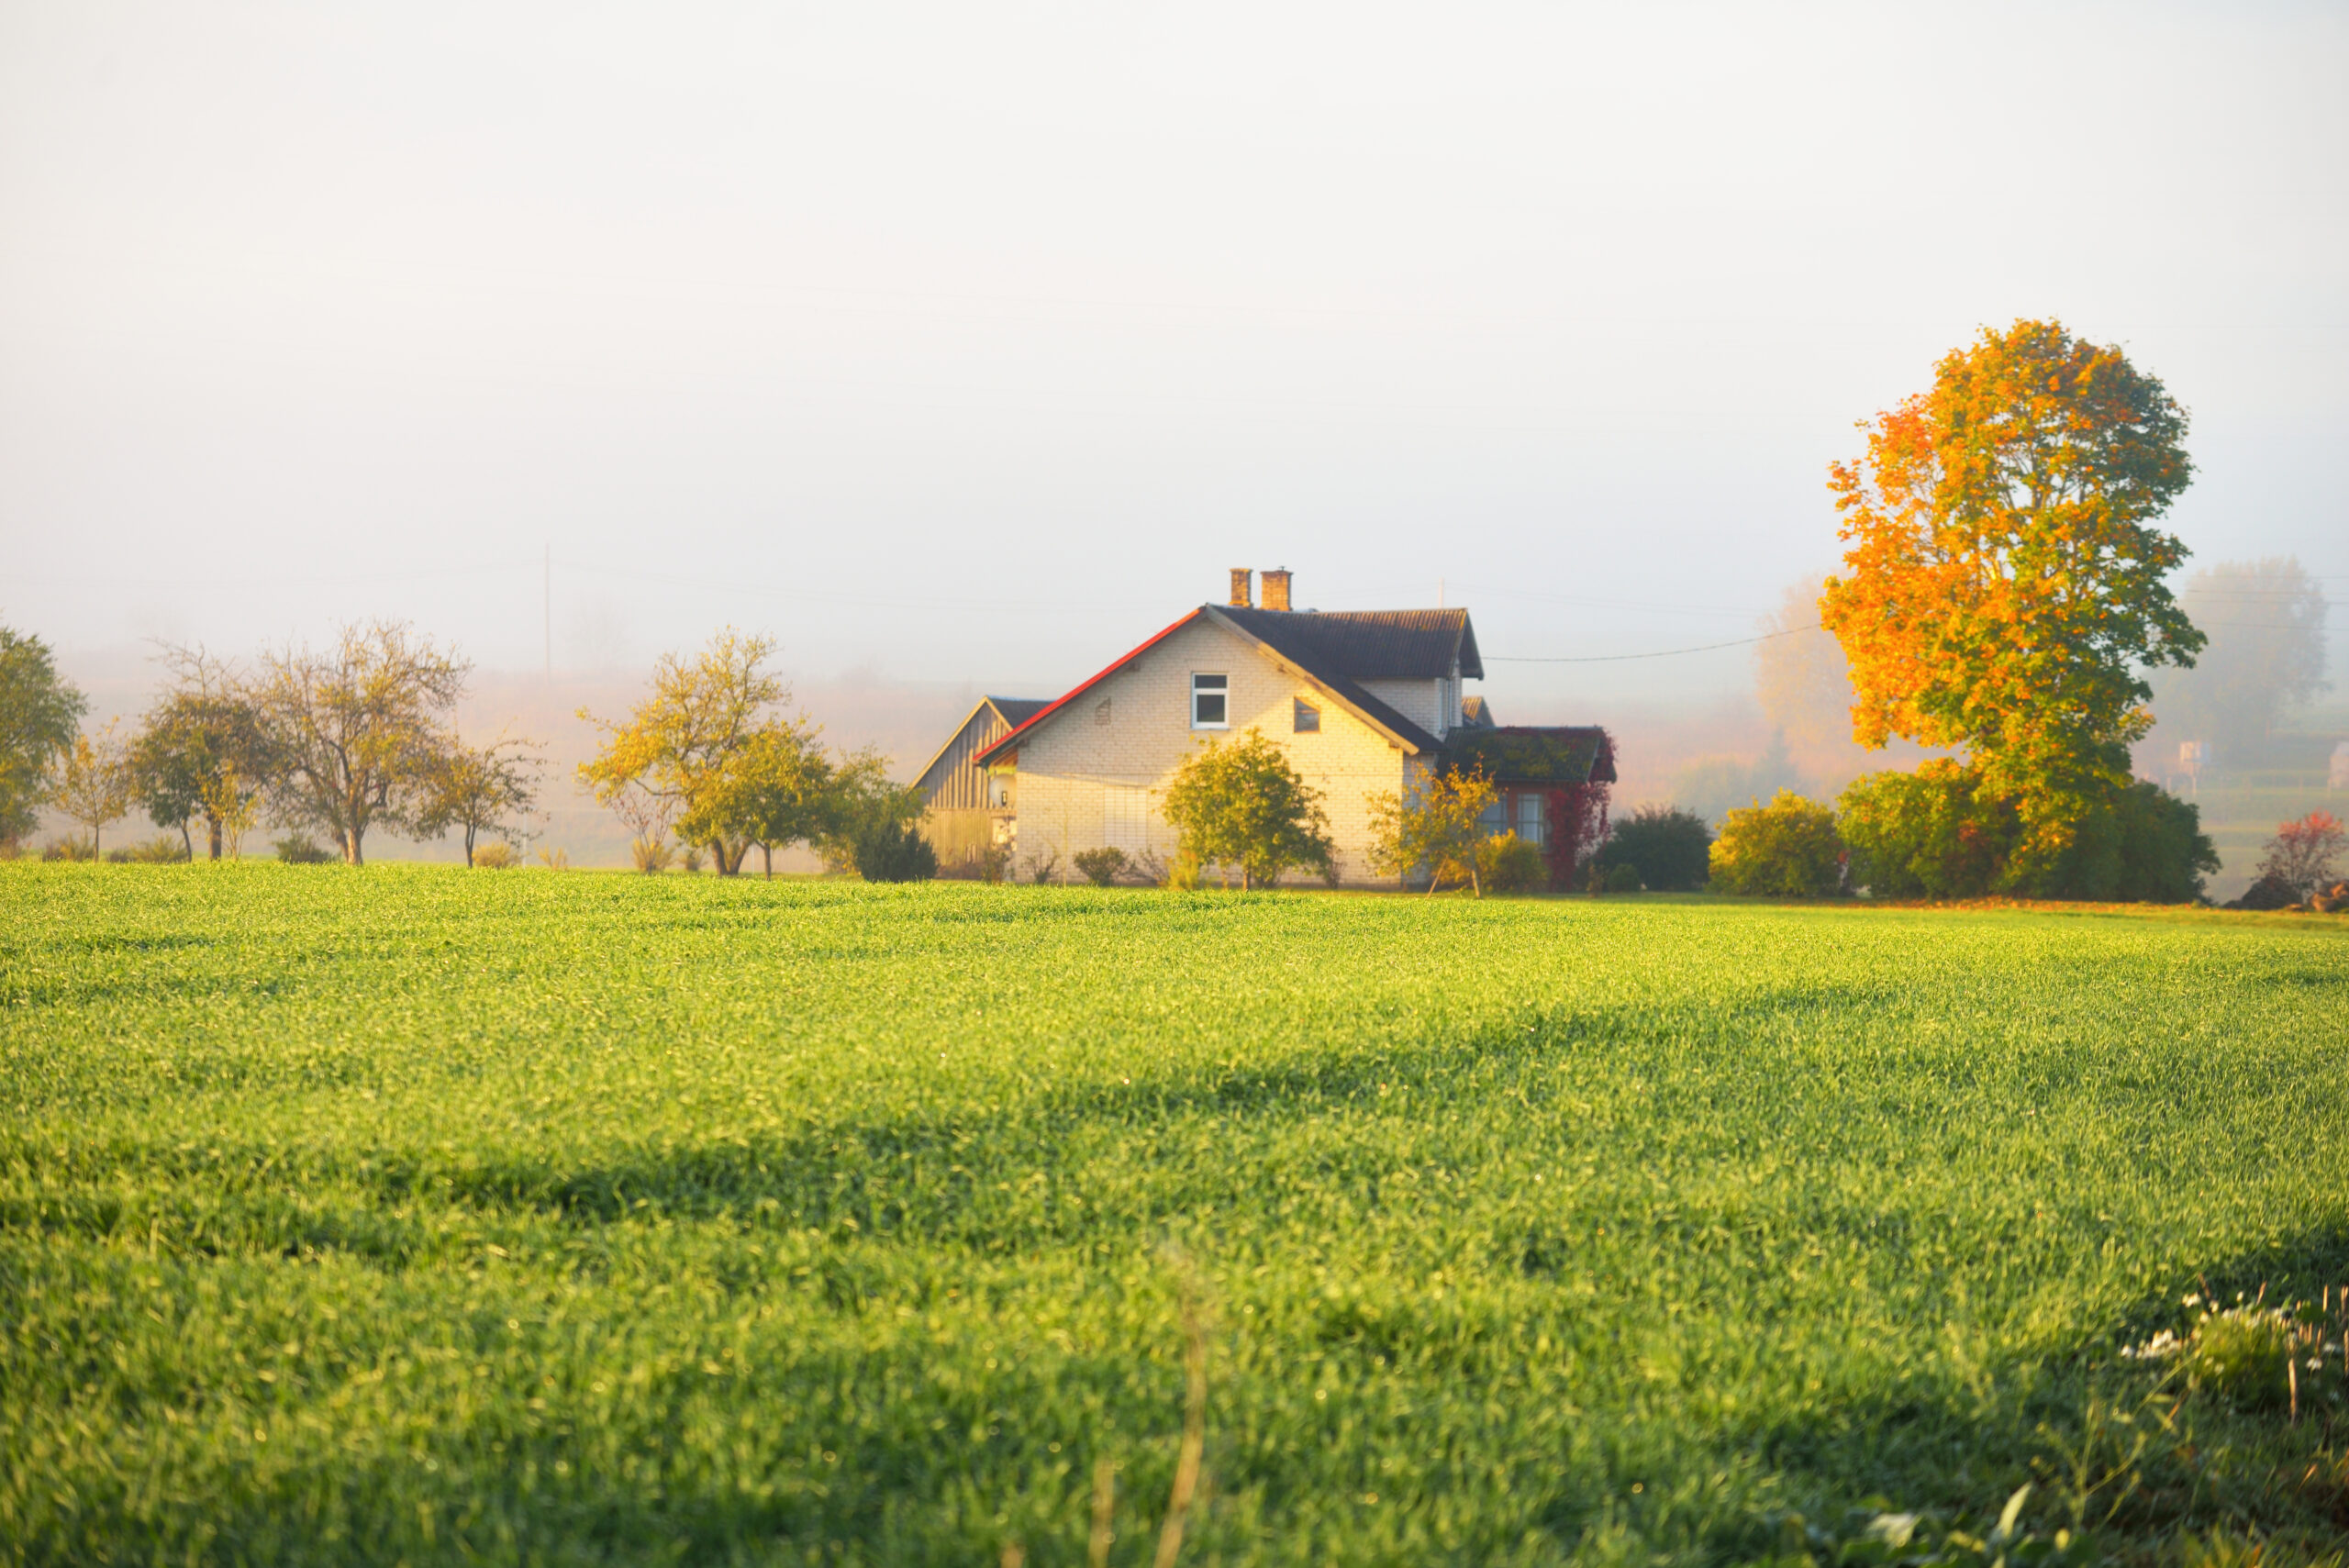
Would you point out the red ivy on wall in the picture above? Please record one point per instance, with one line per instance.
(1577, 826)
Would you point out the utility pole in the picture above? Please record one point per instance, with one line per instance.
(547, 604)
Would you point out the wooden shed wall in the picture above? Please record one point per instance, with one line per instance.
(952, 783)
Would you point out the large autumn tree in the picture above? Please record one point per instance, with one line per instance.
(2003, 588)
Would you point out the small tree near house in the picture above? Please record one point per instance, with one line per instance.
(1436, 830)
(1241, 805)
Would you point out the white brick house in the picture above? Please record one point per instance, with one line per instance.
(1362, 702)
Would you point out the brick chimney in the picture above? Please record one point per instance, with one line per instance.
(1276, 589)
(1243, 588)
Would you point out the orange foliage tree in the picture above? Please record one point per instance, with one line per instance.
(2003, 585)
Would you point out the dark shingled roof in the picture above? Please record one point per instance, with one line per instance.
(1475, 713)
(1367, 645)
(1527, 754)
(1017, 711)
(1339, 649)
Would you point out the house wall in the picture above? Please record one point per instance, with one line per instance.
(1093, 774)
(1433, 705)
(960, 838)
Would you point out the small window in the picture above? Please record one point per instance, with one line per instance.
(1210, 695)
(1309, 717)
(1493, 821)
(1529, 817)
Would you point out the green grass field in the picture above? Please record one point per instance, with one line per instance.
(412, 1214)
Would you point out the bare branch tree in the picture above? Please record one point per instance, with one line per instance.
(90, 782)
(477, 788)
(203, 752)
(356, 731)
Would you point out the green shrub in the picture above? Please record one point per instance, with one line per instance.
(1670, 848)
(1184, 873)
(1788, 849)
(1624, 879)
(162, 849)
(1507, 863)
(68, 848)
(887, 850)
(1941, 833)
(1930, 834)
(301, 849)
(1102, 866)
(2158, 852)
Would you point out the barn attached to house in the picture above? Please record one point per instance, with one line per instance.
(966, 809)
(1364, 703)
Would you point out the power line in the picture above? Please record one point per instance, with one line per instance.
(1660, 653)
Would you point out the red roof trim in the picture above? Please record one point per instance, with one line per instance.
(1011, 741)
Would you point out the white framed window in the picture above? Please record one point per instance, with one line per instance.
(1210, 702)
(1493, 821)
(1529, 817)
(1308, 717)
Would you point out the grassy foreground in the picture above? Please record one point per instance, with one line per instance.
(409, 1214)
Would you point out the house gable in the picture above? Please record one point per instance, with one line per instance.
(1289, 653)
(1093, 771)
(953, 780)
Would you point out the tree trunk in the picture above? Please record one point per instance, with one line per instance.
(351, 854)
(186, 841)
(766, 853)
(469, 846)
(212, 829)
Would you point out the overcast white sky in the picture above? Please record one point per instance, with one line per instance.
(975, 342)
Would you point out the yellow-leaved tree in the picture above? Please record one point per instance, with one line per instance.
(701, 747)
(1437, 828)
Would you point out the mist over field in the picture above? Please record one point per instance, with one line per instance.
(960, 353)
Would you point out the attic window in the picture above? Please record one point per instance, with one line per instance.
(1309, 717)
(1209, 696)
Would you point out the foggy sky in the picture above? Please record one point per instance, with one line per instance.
(972, 343)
